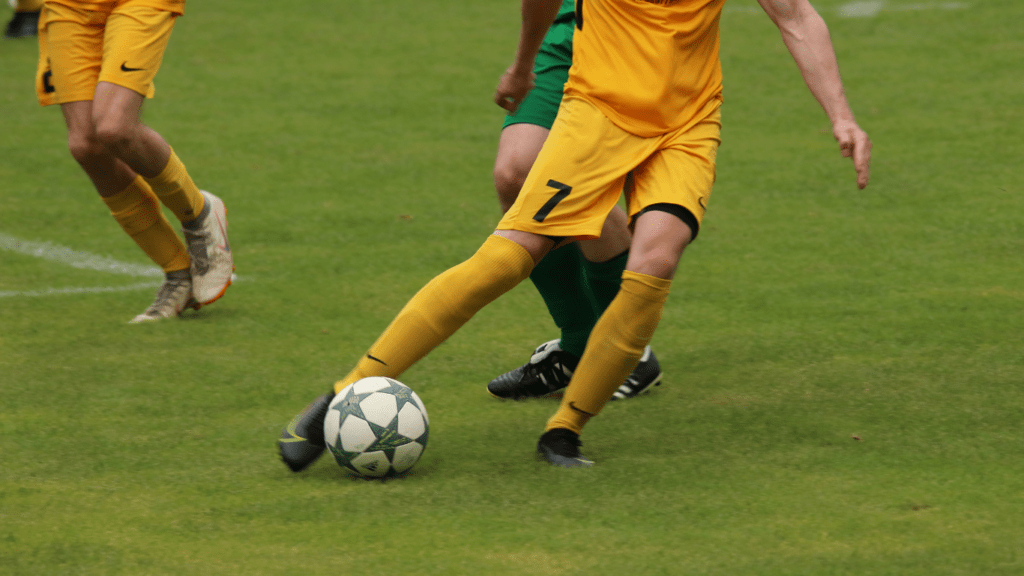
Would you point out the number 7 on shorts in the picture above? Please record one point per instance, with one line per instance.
(563, 191)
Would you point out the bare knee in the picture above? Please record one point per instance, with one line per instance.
(518, 148)
(509, 177)
(658, 261)
(86, 149)
(115, 135)
(658, 243)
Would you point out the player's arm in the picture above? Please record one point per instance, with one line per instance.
(517, 81)
(806, 36)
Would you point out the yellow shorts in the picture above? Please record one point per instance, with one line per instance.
(122, 44)
(587, 161)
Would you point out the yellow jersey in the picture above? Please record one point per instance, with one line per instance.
(174, 6)
(651, 66)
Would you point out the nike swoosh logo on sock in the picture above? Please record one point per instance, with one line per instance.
(584, 412)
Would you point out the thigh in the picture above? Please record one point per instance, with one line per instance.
(658, 242)
(70, 54)
(578, 175)
(133, 46)
(116, 107)
(518, 147)
(679, 174)
(78, 118)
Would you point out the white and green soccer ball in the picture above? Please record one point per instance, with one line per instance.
(376, 426)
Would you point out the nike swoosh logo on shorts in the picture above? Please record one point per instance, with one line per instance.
(125, 68)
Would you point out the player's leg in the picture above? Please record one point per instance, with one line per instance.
(449, 301)
(559, 277)
(428, 319)
(620, 336)
(672, 188)
(577, 288)
(574, 184)
(134, 43)
(70, 48)
(116, 117)
(129, 198)
(603, 264)
(628, 324)
(577, 281)
(136, 209)
(25, 22)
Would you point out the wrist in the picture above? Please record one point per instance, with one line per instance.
(521, 67)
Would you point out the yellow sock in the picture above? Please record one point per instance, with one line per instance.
(138, 212)
(29, 5)
(442, 307)
(174, 187)
(613, 349)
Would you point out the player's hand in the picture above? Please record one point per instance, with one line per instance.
(514, 85)
(854, 143)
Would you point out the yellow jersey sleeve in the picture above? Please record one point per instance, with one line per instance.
(651, 66)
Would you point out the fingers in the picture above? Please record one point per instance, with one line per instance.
(509, 103)
(512, 89)
(510, 98)
(846, 149)
(845, 136)
(854, 143)
(862, 160)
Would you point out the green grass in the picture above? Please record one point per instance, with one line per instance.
(844, 368)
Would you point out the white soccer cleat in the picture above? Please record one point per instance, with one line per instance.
(175, 295)
(212, 263)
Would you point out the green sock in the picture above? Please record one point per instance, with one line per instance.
(559, 278)
(604, 278)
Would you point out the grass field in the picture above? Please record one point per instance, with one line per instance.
(844, 387)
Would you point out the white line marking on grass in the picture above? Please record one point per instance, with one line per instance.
(743, 9)
(866, 8)
(76, 259)
(942, 6)
(871, 8)
(82, 260)
(93, 290)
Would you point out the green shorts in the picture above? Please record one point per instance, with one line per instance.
(552, 68)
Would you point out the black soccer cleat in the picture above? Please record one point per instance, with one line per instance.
(302, 441)
(561, 447)
(22, 25)
(548, 371)
(646, 375)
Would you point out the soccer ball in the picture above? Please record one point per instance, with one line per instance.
(376, 426)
